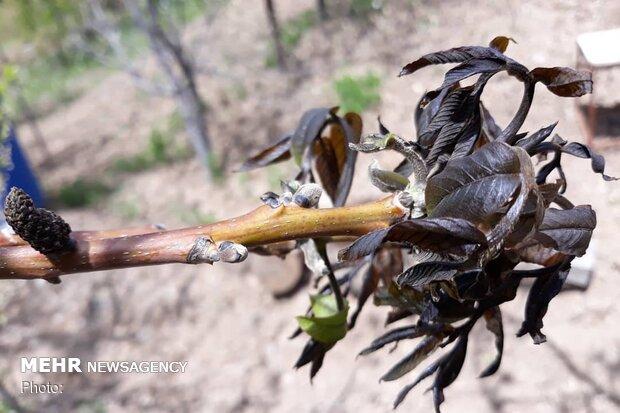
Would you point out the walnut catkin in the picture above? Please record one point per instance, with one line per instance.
(44, 230)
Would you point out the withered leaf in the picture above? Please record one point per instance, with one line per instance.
(500, 43)
(435, 234)
(541, 293)
(475, 186)
(411, 360)
(425, 373)
(493, 322)
(564, 81)
(455, 55)
(567, 231)
(385, 264)
(490, 128)
(309, 128)
(470, 68)
(272, 154)
(428, 271)
(530, 142)
(398, 334)
(449, 369)
(583, 151)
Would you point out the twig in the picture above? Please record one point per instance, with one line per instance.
(262, 226)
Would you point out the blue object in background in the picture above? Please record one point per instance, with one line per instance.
(20, 173)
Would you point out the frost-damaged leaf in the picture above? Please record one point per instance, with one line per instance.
(435, 234)
(405, 390)
(411, 360)
(351, 125)
(385, 264)
(335, 160)
(475, 186)
(550, 191)
(542, 292)
(449, 368)
(535, 253)
(567, 230)
(429, 127)
(425, 111)
(489, 127)
(455, 55)
(272, 154)
(471, 284)
(528, 191)
(309, 128)
(583, 151)
(467, 69)
(327, 324)
(427, 272)
(500, 43)
(313, 352)
(530, 142)
(564, 81)
(398, 334)
(493, 319)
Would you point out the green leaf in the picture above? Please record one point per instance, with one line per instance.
(327, 324)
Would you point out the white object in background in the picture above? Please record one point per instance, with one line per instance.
(582, 269)
(602, 48)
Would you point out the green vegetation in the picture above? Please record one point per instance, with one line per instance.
(364, 8)
(81, 193)
(160, 150)
(49, 81)
(127, 209)
(357, 93)
(292, 31)
(195, 216)
(61, 65)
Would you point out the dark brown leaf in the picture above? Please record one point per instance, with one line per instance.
(564, 81)
(530, 142)
(425, 373)
(435, 234)
(493, 319)
(411, 360)
(475, 186)
(385, 264)
(309, 128)
(567, 231)
(542, 292)
(272, 154)
(449, 369)
(398, 334)
(427, 272)
(455, 55)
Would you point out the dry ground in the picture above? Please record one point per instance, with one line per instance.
(222, 319)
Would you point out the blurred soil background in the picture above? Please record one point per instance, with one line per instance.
(120, 157)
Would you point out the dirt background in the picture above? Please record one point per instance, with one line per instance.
(223, 319)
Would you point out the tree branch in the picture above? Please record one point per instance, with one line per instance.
(262, 226)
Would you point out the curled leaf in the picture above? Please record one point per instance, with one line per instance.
(493, 319)
(568, 231)
(500, 43)
(541, 293)
(277, 152)
(564, 81)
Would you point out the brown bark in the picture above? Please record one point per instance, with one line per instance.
(275, 33)
(262, 226)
